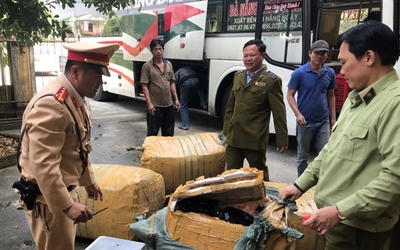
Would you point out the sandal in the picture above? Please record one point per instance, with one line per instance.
(184, 128)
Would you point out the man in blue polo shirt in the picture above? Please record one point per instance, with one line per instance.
(315, 112)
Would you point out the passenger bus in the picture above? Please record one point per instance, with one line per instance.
(209, 36)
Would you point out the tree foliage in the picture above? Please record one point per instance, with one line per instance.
(30, 21)
(112, 27)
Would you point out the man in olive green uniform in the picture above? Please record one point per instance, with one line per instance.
(357, 173)
(256, 92)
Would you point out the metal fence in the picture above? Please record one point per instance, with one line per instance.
(49, 61)
(45, 61)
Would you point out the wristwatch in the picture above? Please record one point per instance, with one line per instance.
(339, 214)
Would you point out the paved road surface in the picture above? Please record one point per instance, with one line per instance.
(118, 125)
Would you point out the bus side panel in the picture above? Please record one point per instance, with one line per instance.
(387, 13)
(276, 46)
(226, 47)
(138, 29)
(285, 74)
(184, 30)
(219, 71)
(121, 81)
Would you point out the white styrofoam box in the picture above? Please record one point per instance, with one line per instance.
(111, 243)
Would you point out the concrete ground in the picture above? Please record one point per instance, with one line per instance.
(117, 125)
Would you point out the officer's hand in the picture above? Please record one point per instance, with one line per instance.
(78, 213)
(323, 220)
(94, 192)
(291, 192)
(281, 149)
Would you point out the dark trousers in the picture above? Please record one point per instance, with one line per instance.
(256, 158)
(163, 118)
(343, 237)
(395, 239)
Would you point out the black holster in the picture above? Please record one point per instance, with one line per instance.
(28, 192)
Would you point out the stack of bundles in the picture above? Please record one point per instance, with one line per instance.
(127, 192)
(236, 197)
(230, 211)
(182, 158)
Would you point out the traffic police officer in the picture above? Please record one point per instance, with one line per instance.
(256, 92)
(55, 146)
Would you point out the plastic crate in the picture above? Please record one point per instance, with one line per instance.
(341, 91)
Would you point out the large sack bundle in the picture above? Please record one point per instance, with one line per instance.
(243, 190)
(127, 192)
(189, 221)
(182, 158)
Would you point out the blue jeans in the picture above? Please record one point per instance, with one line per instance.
(185, 95)
(318, 134)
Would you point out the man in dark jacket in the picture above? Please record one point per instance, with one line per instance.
(186, 79)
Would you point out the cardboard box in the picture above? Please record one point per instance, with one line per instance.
(208, 232)
(305, 203)
(127, 192)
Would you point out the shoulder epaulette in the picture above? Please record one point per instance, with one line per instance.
(369, 95)
(61, 94)
(271, 74)
(74, 102)
(239, 71)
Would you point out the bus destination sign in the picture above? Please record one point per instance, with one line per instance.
(278, 14)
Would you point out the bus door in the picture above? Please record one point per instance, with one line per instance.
(138, 29)
(184, 30)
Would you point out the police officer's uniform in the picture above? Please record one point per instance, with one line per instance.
(54, 139)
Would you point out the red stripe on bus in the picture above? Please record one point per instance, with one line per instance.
(181, 13)
(130, 80)
(146, 39)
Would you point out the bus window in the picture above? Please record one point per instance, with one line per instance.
(350, 18)
(241, 16)
(160, 24)
(282, 31)
(336, 18)
(214, 17)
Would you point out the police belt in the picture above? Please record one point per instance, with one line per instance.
(69, 188)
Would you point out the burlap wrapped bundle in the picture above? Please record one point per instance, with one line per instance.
(127, 192)
(182, 158)
(199, 226)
